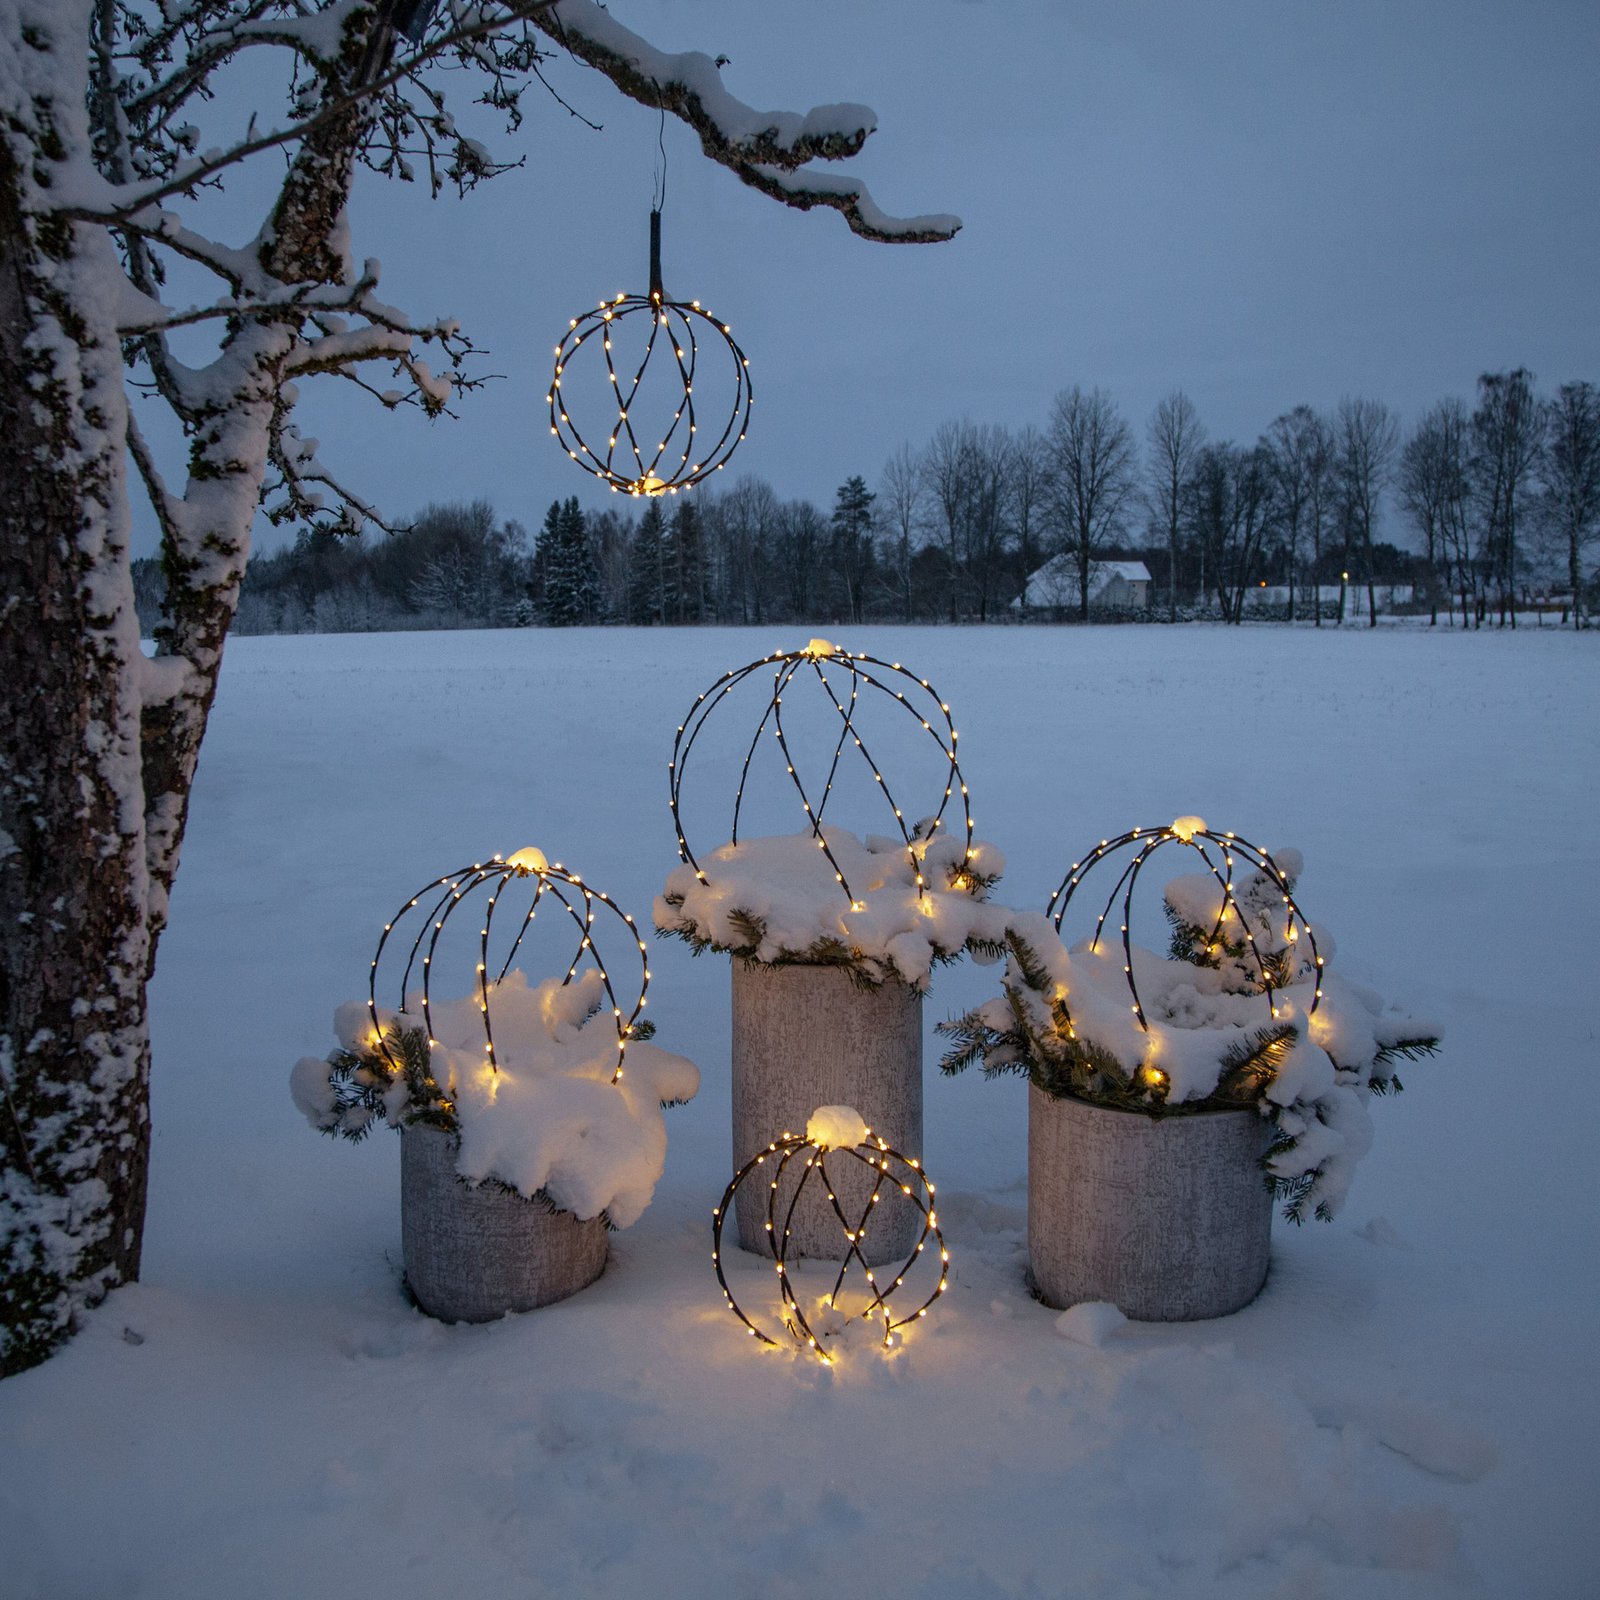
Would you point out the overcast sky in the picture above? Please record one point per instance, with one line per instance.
(1262, 202)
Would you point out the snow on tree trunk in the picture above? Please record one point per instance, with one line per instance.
(74, 1050)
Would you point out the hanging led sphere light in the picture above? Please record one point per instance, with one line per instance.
(648, 384)
(837, 1134)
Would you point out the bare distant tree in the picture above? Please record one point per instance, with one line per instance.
(1366, 436)
(1174, 435)
(1092, 469)
(1432, 486)
(800, 540)
(1299, 446)
(1507, 434)
(1571, 479)
(745, 529)
(1229, 506)
(902, 514)
(1027, 478)
(947, 465)
(983, 534)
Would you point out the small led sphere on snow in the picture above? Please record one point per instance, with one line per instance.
(848, 681)
(838, 1134)
(513, 889)
(668, 390)
(1220, 852)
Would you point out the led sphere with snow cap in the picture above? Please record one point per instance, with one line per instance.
(889, 906)
(531, 1113)
(1173, 1097)
(841, 1134)
(834, 937)
(668, 380)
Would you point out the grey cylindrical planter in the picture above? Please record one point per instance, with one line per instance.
(809, 1036)
(474, 1253)
(1167, 1218)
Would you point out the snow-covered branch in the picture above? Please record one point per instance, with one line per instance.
(295, 494)
(763, 147)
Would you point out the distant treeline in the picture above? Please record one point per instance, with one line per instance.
(1502, 501)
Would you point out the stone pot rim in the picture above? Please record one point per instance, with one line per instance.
(540, 1197)
(848, 969)
(1166, 1113)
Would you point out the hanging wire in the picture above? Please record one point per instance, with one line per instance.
(660, 189)
(891, 1171)
(577, 900)
(861, 671)
(1189, 832)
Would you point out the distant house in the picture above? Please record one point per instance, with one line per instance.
(1122, 584)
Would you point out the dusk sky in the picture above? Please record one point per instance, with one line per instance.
(1262, 202)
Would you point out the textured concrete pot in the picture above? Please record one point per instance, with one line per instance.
(473, 1254)
(805, 1037)
(1168, 1218)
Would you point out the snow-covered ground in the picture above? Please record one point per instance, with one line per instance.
(1408, 1410)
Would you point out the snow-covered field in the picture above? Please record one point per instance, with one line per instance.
(1408, 1410)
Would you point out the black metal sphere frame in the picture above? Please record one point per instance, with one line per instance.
(1145, 842)
(862, 670)
(676, 462)
(875, 1154)
(576, 898)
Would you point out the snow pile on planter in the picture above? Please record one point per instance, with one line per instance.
(549, 1117)
(1214, 1036)
(778, 900)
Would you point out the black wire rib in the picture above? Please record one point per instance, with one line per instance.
(1145, 842)
(872, 1152)
(576, 898)
(862, 670)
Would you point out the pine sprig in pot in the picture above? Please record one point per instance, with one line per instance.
(1241, 1012)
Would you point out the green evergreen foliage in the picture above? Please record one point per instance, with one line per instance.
(853, 558)
(646, 592)
(685, 576)
(569, 584)
(365, 1085)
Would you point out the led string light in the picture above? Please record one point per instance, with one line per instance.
(891, 1172)
(862, 671)
(527, 868)
(678, 461)
(1188, 831)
